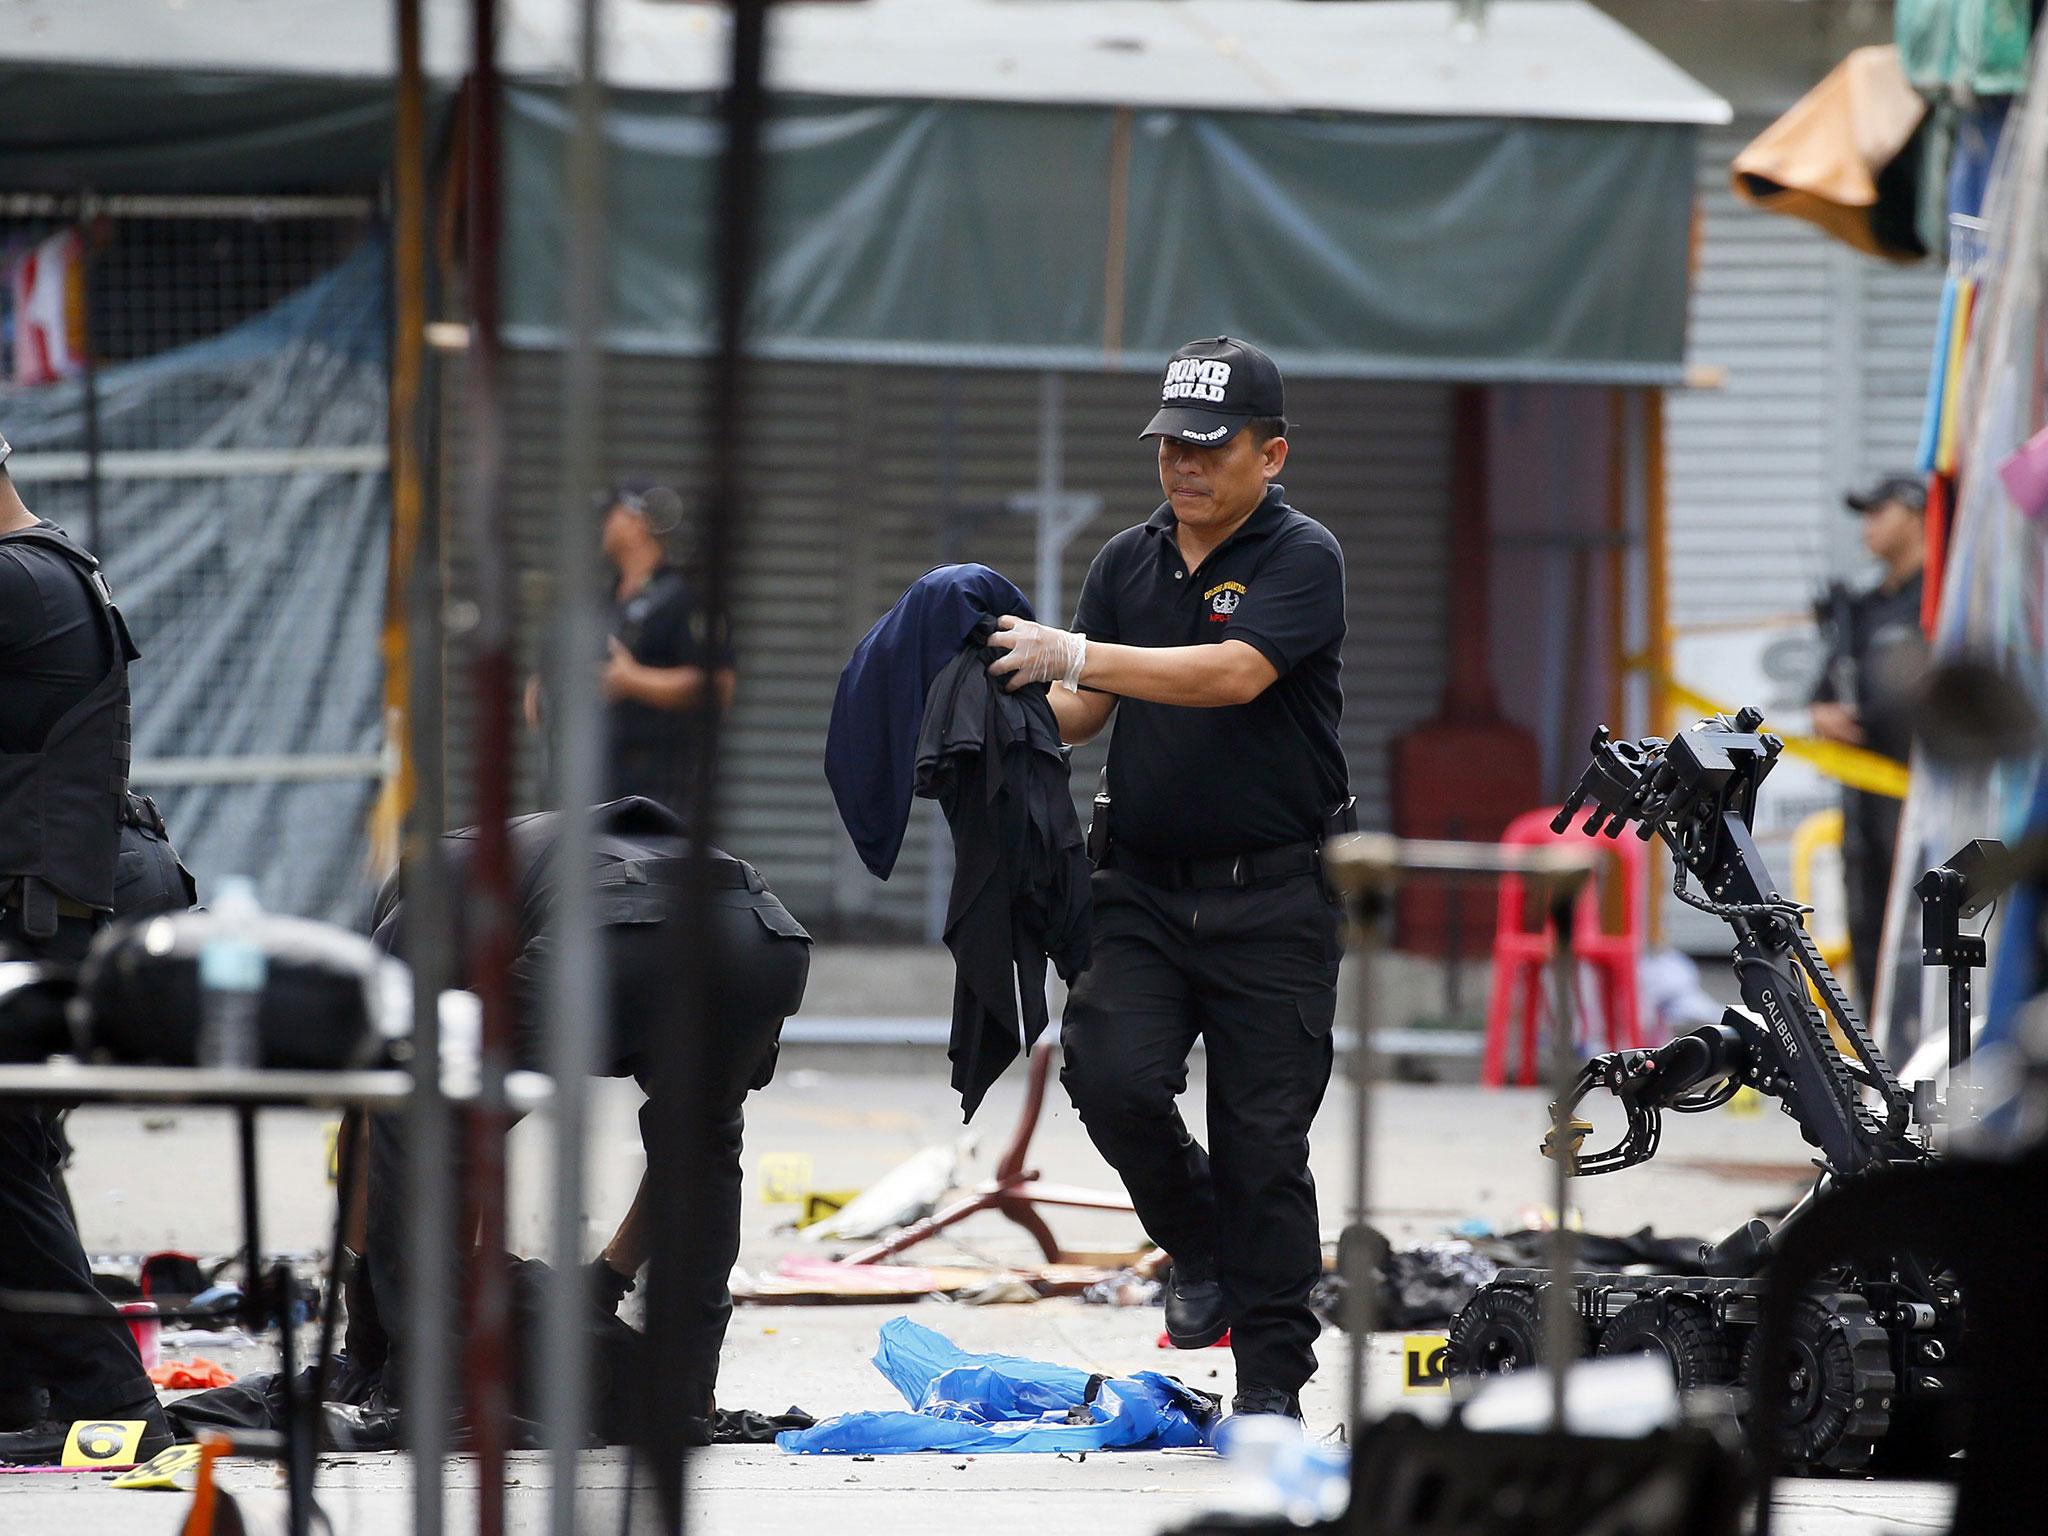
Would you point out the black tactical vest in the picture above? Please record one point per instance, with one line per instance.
(60, 807)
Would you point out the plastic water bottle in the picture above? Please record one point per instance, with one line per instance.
(231, 971)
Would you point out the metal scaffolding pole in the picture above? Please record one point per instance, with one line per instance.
(413, 650)
(677, 1160)
(574, 991)
(489, 918)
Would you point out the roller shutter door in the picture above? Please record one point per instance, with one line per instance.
(866, 477)
(1825, 353)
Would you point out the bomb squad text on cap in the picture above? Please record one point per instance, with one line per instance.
(1212, 388)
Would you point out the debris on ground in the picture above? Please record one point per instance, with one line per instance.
(1125, 1288)
(1000, 1403)
(908, 1192)
(185, 1375)
(801, 1280)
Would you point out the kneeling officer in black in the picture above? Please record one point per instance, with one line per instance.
(1213, 632)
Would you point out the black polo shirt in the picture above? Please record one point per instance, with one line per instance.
(660, 625)
(1192, 783)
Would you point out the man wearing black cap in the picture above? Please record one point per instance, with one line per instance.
(64, 654)
(1213, 632)
(662, 665)
(1876, 654)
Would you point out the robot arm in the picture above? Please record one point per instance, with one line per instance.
(1697, 792)
(1697, 1071)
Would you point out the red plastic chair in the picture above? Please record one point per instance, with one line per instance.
(1522, 954)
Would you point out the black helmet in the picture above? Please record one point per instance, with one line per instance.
(320, 1006)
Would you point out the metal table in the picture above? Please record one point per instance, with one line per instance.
(245, 1091)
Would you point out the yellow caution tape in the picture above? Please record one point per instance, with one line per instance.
(1857, 767)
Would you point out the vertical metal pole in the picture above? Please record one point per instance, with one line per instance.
(1560, 1310)
(416, 584)
(1051, 520)
(490, 917)
(89, 384)
(574, 1001)
(678, 1161)
(1656, 588)
(1361, 1285)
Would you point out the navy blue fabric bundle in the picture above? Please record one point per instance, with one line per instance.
(871, 747)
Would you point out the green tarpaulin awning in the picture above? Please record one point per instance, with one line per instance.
(1367, 188)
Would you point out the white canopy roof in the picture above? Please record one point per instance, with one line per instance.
(1529, 58)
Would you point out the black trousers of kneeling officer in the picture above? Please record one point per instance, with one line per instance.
(762, 961)
(1252, 971)
(86, 1369)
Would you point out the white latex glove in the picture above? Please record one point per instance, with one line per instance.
(1038, 653)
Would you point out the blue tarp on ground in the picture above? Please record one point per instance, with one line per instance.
(989, 1403)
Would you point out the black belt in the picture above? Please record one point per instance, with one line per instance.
(1237, 870)
(62, 905)
(726, 874)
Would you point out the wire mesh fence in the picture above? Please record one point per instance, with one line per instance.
(196, 389)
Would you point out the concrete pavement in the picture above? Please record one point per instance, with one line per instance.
(1443, 1154)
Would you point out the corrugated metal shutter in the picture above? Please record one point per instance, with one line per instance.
(868, 476)
(1826, 353)
(1750, 464)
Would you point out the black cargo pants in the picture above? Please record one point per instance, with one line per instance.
(1253, 972)
(90, 1368)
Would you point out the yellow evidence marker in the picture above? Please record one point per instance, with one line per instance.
(1422, 1364)
(785, 1177)
(162, 1471)
(103, 1443)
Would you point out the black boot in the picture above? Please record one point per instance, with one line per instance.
(1196, 1312)
(1266, 1400)
(43, 1444)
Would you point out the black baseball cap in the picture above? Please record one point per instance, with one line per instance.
(658, 504)
(1212, 388)
(1907, 489)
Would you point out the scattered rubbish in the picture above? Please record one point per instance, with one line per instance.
(821, 1203)
(1543, 1218)
(159, 1122)
(743, 1426)
(183, 1375)
(908, 1192)
(1125, 1288)
(820, 1280)
(801, 1280)
(999, 1403)
(1472, 1227)
(169, 1273)
(1598, 1250)
(1430, 1283)
(864, 1456)
(206, 1338)
(998, 1290)
(1425, 1286)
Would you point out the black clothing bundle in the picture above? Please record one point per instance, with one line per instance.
(993, 761)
